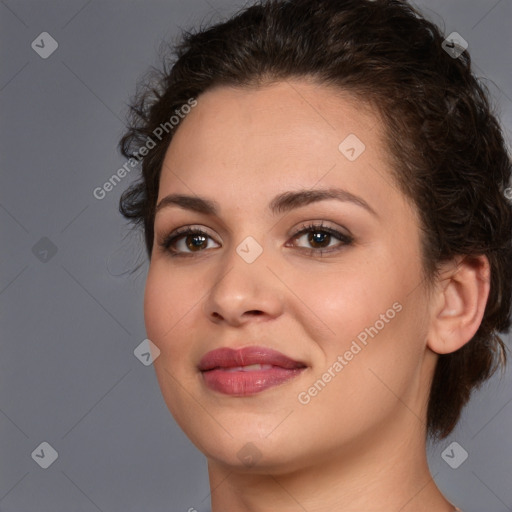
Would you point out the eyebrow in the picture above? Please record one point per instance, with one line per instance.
(283, 202)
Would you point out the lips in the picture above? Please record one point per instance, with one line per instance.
(248, 370)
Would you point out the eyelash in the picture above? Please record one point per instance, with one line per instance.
(346, 240)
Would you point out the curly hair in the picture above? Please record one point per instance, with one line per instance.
(444, 141)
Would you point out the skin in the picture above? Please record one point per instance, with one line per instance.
(359, 444)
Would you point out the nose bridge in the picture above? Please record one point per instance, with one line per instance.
(244, 285)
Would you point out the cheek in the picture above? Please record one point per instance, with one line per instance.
(373, 304)
(376, 378)
(167, 301)
(347, 300)
(167, 308)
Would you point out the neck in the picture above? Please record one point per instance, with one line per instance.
(351, 480)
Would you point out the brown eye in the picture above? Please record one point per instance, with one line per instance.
(187, 241)
(319, 239)
(194, 242)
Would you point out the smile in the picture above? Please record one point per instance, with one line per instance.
(247, 371)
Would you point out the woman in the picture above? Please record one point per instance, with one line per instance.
(323, 197)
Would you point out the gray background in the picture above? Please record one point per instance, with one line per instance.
(71, 320)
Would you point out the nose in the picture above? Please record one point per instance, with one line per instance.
(244, 292)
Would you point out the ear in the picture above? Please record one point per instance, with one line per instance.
(458, 303)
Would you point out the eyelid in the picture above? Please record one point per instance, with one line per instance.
(167, 237)
(344, 238)
(320, 224)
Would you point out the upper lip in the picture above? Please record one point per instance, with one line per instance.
(229, 358)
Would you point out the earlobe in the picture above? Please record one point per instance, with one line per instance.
(458, 303)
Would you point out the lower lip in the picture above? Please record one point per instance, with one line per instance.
(242, 383)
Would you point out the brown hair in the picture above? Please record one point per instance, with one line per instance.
(445, 143)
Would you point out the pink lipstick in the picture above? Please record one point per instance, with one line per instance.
(248, 370)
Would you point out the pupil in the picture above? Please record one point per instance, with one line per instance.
(192, 239)
(319, 238)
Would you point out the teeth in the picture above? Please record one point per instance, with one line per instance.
(249, 368)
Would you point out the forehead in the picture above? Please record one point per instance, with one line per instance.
(247, 144)
(280, 122)
(294, 108)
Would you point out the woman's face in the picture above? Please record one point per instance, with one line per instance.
(332, 282)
